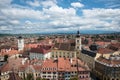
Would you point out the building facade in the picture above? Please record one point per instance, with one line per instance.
(108, 69)
(41, 52)
(20, 43)
(88, 57)
(50, 69)
(67, 49)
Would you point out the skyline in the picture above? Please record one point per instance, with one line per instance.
(39, 16)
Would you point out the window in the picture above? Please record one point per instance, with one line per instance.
(49, 72)
(68, 72)
(44, 72)
(44, 76)
(80, 76)
(54, 76)
(54, 72)
(49, 76)
(77, 41)
(52, 55)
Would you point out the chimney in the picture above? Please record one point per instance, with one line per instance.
(23, 61)
(71, 60)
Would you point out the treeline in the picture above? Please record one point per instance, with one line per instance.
(2, 35)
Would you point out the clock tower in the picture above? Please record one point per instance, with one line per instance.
(20, 43)
(78, 43)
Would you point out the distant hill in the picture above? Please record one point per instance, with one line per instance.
(2, 35)
(69, 32)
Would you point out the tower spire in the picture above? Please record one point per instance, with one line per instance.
(78, 34)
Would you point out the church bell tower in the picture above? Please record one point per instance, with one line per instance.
(78, 42)
(20, 43)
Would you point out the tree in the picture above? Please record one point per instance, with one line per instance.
(29, 77)
(40, 78)
(5, 57)
(86, 41)
(93, 47)
(40, 38)
(74, 78)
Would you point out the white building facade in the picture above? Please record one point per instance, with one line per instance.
(40, 56)
(20, 43)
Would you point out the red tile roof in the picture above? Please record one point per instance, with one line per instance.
(64, 64)
(49, 65)
(9, 52)
(114, 46)
(105, 50)
(41, 49)
(12, 64)
(109, 61)
(65, 46)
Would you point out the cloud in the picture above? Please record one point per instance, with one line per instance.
(77, 5)
(18, 13)
(101, 13)
(56, 11)
(54, 18)
(49, 3)
(36, 3)
(111, 3)
(5, 28)
(43, 3)
(107, 18)
(14, 22)
(5, 3)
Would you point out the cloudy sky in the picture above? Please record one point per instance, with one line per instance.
(39, 16)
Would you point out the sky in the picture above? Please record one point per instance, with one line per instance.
(42, 16)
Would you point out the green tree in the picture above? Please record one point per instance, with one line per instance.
(29, 77)
(5, 57)
(40, 38)
(86, 41)
(40, 78)
(74, 78)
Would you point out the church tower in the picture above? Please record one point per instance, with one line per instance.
(20, 43)
(78, 42)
